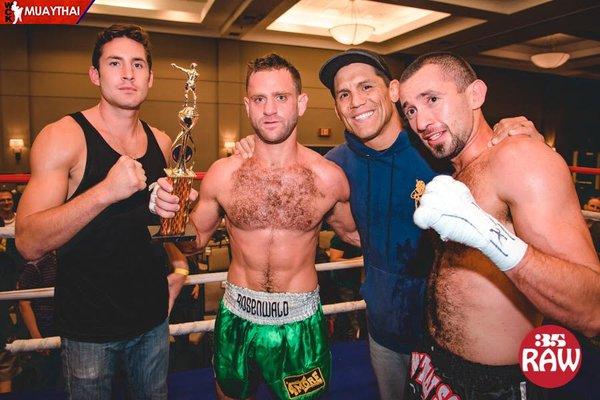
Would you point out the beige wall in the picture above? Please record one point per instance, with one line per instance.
(43, 76)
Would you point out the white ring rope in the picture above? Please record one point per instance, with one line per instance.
(191, 280)
(591, 215)
(176, 329)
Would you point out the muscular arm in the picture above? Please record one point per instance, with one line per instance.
(560, 271)
(44, 221)
(340, 217)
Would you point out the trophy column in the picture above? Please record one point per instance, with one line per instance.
(180, 173)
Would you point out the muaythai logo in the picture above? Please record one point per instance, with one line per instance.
(299, 385)
(12, 12)
(550, 356)
(48, 12)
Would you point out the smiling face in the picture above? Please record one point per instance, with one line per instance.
(273, 104)
(366, 104)
(124, 76)
(436, 110)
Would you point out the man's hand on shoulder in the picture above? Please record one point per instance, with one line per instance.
(513, 127)
(245, 147)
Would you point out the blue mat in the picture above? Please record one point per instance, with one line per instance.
(352, 378)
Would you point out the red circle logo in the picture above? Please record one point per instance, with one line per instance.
(550, 356)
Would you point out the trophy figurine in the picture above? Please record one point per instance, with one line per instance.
(180, 173)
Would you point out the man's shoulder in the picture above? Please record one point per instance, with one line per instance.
(520, 151)
(65, 133)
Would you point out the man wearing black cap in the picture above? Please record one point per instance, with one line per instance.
(382, 166)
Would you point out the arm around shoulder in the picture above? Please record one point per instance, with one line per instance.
(340, 217)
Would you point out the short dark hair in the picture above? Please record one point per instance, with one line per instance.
(7, 191)
(452, 65)
(271, 62)
(133, 32)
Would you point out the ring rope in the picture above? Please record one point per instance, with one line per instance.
(53, 342)
(24, 178)
(191, 280)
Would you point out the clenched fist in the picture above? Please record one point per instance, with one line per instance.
(124, 179)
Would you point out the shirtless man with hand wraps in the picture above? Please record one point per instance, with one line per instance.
(515, 246)
(270, 323)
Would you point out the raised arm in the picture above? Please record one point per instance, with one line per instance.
(44, 221)
(340, 217)
(559, 272)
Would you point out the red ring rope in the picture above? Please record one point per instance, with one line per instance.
(24, 178)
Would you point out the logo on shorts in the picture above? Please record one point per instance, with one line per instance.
(424, 380)
(263, 308)
(299, 385)
(550, 356)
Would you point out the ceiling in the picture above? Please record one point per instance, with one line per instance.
(501, 33)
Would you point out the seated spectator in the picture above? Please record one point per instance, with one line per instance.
(593, 204)
(37, 314)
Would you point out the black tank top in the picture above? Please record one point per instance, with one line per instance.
(111, 282)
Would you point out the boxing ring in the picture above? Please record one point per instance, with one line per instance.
(175, 329)
(205, 325)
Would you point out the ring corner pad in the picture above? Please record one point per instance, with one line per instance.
(155, 237)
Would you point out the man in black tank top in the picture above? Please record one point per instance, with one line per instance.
(87, 200)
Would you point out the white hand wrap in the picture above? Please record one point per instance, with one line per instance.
(449, 208)
(152, 205)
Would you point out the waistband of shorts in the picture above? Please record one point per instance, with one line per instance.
(492, 376)
(267, 308)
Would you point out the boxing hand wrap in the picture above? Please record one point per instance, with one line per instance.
(152, 205)
(448, 207)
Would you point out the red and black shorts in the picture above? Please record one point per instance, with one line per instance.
(437, 374)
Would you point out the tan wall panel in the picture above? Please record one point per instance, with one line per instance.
(45, 110)
(61, 48)
(55, 84)
(315, 118)
(231, 93)
(230, 65)
(13, 47)
(14, 83)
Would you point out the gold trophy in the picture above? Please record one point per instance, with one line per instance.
(180, 173)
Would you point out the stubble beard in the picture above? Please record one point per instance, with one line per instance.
(286, 131)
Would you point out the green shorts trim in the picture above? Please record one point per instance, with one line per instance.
(293, 359)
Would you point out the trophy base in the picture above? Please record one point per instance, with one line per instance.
(156, 237)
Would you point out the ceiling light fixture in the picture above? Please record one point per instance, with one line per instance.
(353, 33)
(550, 60)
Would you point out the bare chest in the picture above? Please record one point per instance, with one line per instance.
(275, 198)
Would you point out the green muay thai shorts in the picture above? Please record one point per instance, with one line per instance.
(279, 337)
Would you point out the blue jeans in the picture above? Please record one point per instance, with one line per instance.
(89, 367)
(391, 370)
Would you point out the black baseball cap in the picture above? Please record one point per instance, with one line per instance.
(351, 56)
